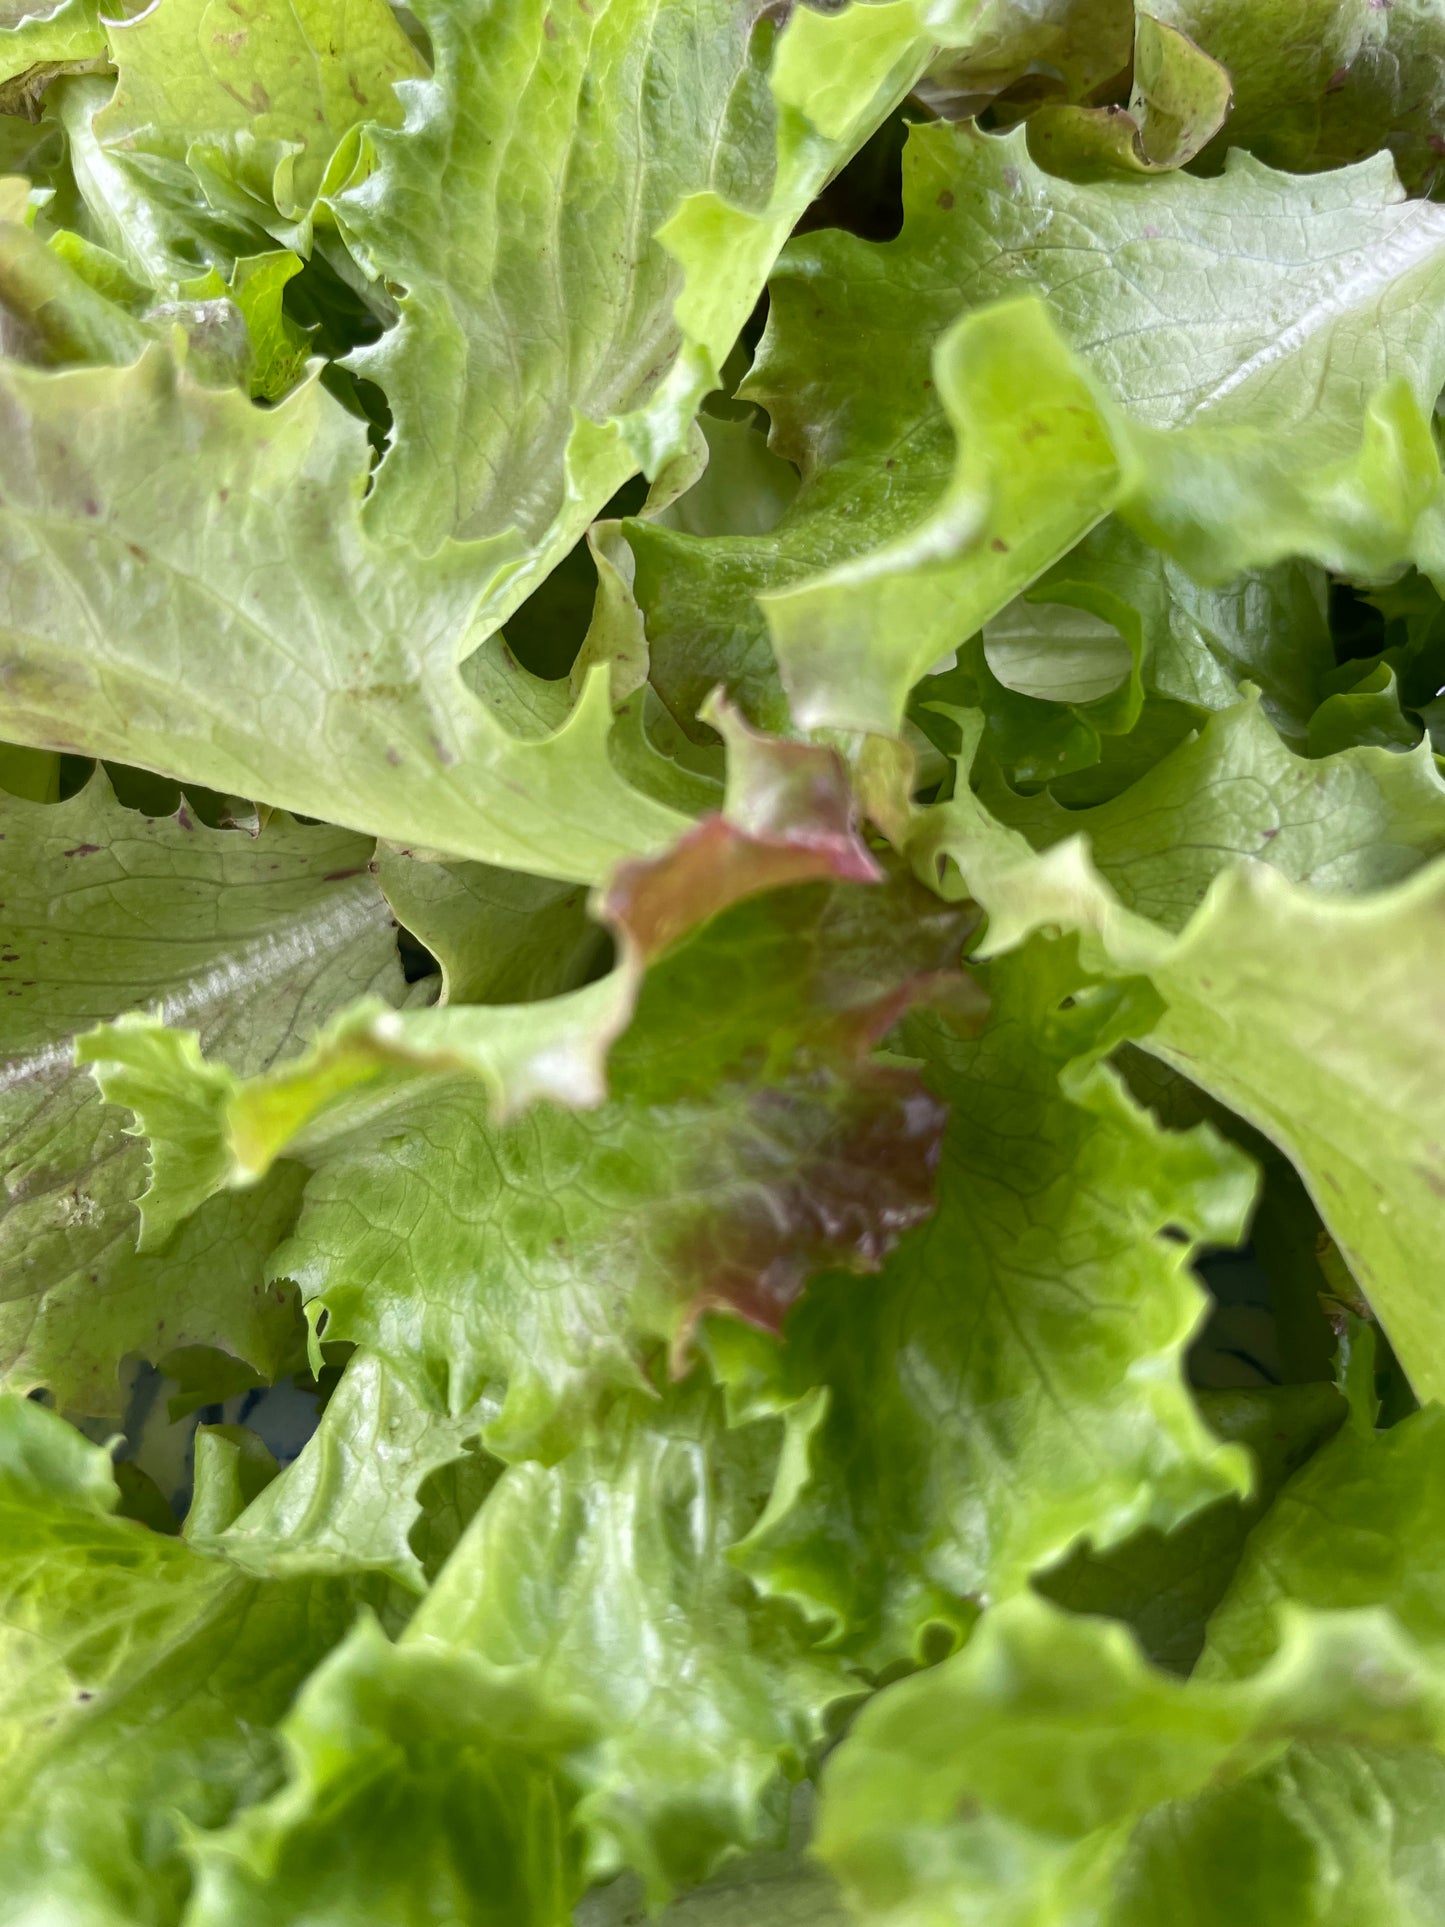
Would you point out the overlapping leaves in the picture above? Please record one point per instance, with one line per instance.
(718, 1302)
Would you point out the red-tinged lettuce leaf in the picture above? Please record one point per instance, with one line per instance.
(1012, 1382)
(255, 942)
(743, 1137)
(746, 1141)
(788, 818)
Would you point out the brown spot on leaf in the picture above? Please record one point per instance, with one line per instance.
(945, 200)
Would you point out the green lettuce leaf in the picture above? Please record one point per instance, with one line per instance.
(1198, 646)
(1296, 428)
(776, 1888)
(1006, 1784)
(547, 351)
(352, 1499)
(1042, 48)
(346, 631)
(499, 937)
(692, 1690)
(1297, 990)
(1320, 85)
(1166, 1585)
(401, 1743)
(1345, 1831)
(1179, 100)
(254, 941)
(38, 41)
(142, 1683)
(509, 1709)
(178, 496)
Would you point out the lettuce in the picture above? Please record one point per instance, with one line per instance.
(723, 854)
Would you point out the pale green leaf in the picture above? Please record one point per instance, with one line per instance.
(259, 95)
(49, 39)
(349, 1502)
(500, 937)
(1273, 345)
(390, 1744)
(1333, 1834)
(254, 942)
(548, 349)
(141, 511)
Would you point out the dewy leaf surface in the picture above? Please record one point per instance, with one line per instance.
(141, 1683)
(251, 941)
(1012, 1380)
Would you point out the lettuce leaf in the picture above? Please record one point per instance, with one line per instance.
(251, 940)
(725, 1159)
